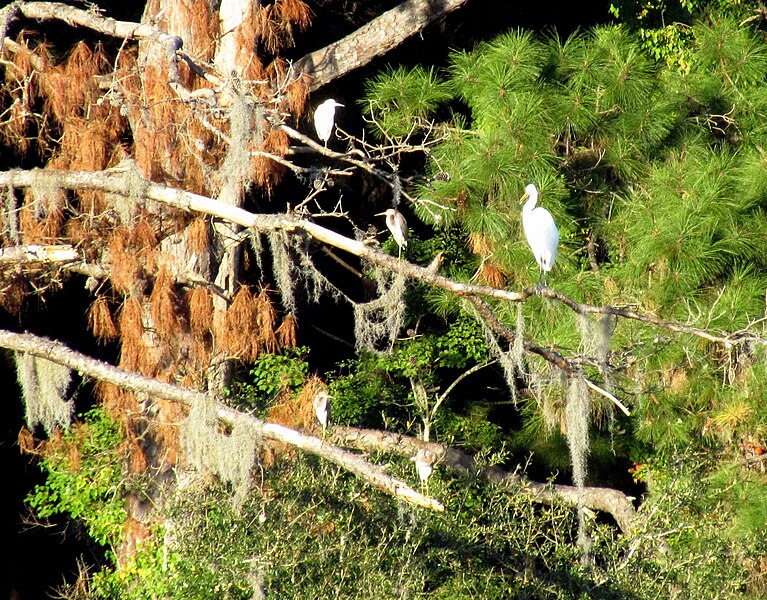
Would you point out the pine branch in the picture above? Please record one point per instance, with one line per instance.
(61, 354)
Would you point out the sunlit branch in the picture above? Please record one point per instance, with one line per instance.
(127, 182)
(62, 354)
(611, 501)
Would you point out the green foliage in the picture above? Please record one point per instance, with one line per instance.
(664, 25)
(655, 176)
(313, 531)
(84, 479)
(373, 390)
(402, 98)
(268, 376)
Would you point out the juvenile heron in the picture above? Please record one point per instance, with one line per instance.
(322, 408)
(324, 118)
(424, 462)
(398, 227)
(540, 230)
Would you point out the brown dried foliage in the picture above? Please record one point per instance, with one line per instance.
(168, 138)
(200, 310)
(27, 442)
(266, 30)
(126, 268)
(100, 320)
(132, 330)
(492, 275)
(298, 94)
(162, 305)
(294, 12)
(480, 244)
(236, 332)
(267, 173)
(144, 234)
(297, 412)
(266, 317)
(198, 23)
(198, 235)
(286, 332)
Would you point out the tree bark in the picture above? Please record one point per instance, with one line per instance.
(372, 40)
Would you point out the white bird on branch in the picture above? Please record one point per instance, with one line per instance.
(322, 408)
(398, 227)
(540, 230)
(324, 119)
(424, 461)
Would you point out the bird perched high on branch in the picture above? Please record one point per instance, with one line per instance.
(324, 119)
(540, 230)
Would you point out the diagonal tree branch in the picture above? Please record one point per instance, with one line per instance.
(372, 40)
(611, 501)
(129, 183)
(62, 354)
(357, 49)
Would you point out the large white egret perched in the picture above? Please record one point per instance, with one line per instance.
(322, 408)
(324, 119)
(540, 230)
(398, 227)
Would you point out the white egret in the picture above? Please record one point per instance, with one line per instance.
(324, 118)
(540, 230)
(398, 227)
(322, 408)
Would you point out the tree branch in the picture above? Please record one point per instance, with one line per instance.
(129, 183)
(379, 36)
(62, 354)
(611, 501)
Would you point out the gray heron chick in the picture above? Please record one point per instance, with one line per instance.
(398, 227)
(322, 408)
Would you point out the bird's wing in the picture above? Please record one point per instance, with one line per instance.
(543, 236)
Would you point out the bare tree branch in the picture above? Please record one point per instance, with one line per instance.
(127, 182)
(374, 39)
(611, 501)
(62, 354)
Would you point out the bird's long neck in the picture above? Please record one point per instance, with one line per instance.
(530, 204)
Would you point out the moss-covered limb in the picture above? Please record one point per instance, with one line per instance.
(127, 182)
(61, 354)
(614, 502)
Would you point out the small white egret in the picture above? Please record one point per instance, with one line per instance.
(322, 408)
(324, 119)
(398, 227)
(540, 230)
(424, 462)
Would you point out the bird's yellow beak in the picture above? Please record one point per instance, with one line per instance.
(380, 214)
(524, 197)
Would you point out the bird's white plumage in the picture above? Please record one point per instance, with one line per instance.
(423, 464)
(322, 408)
(324, 119)
(398, 227)
(540, 230)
